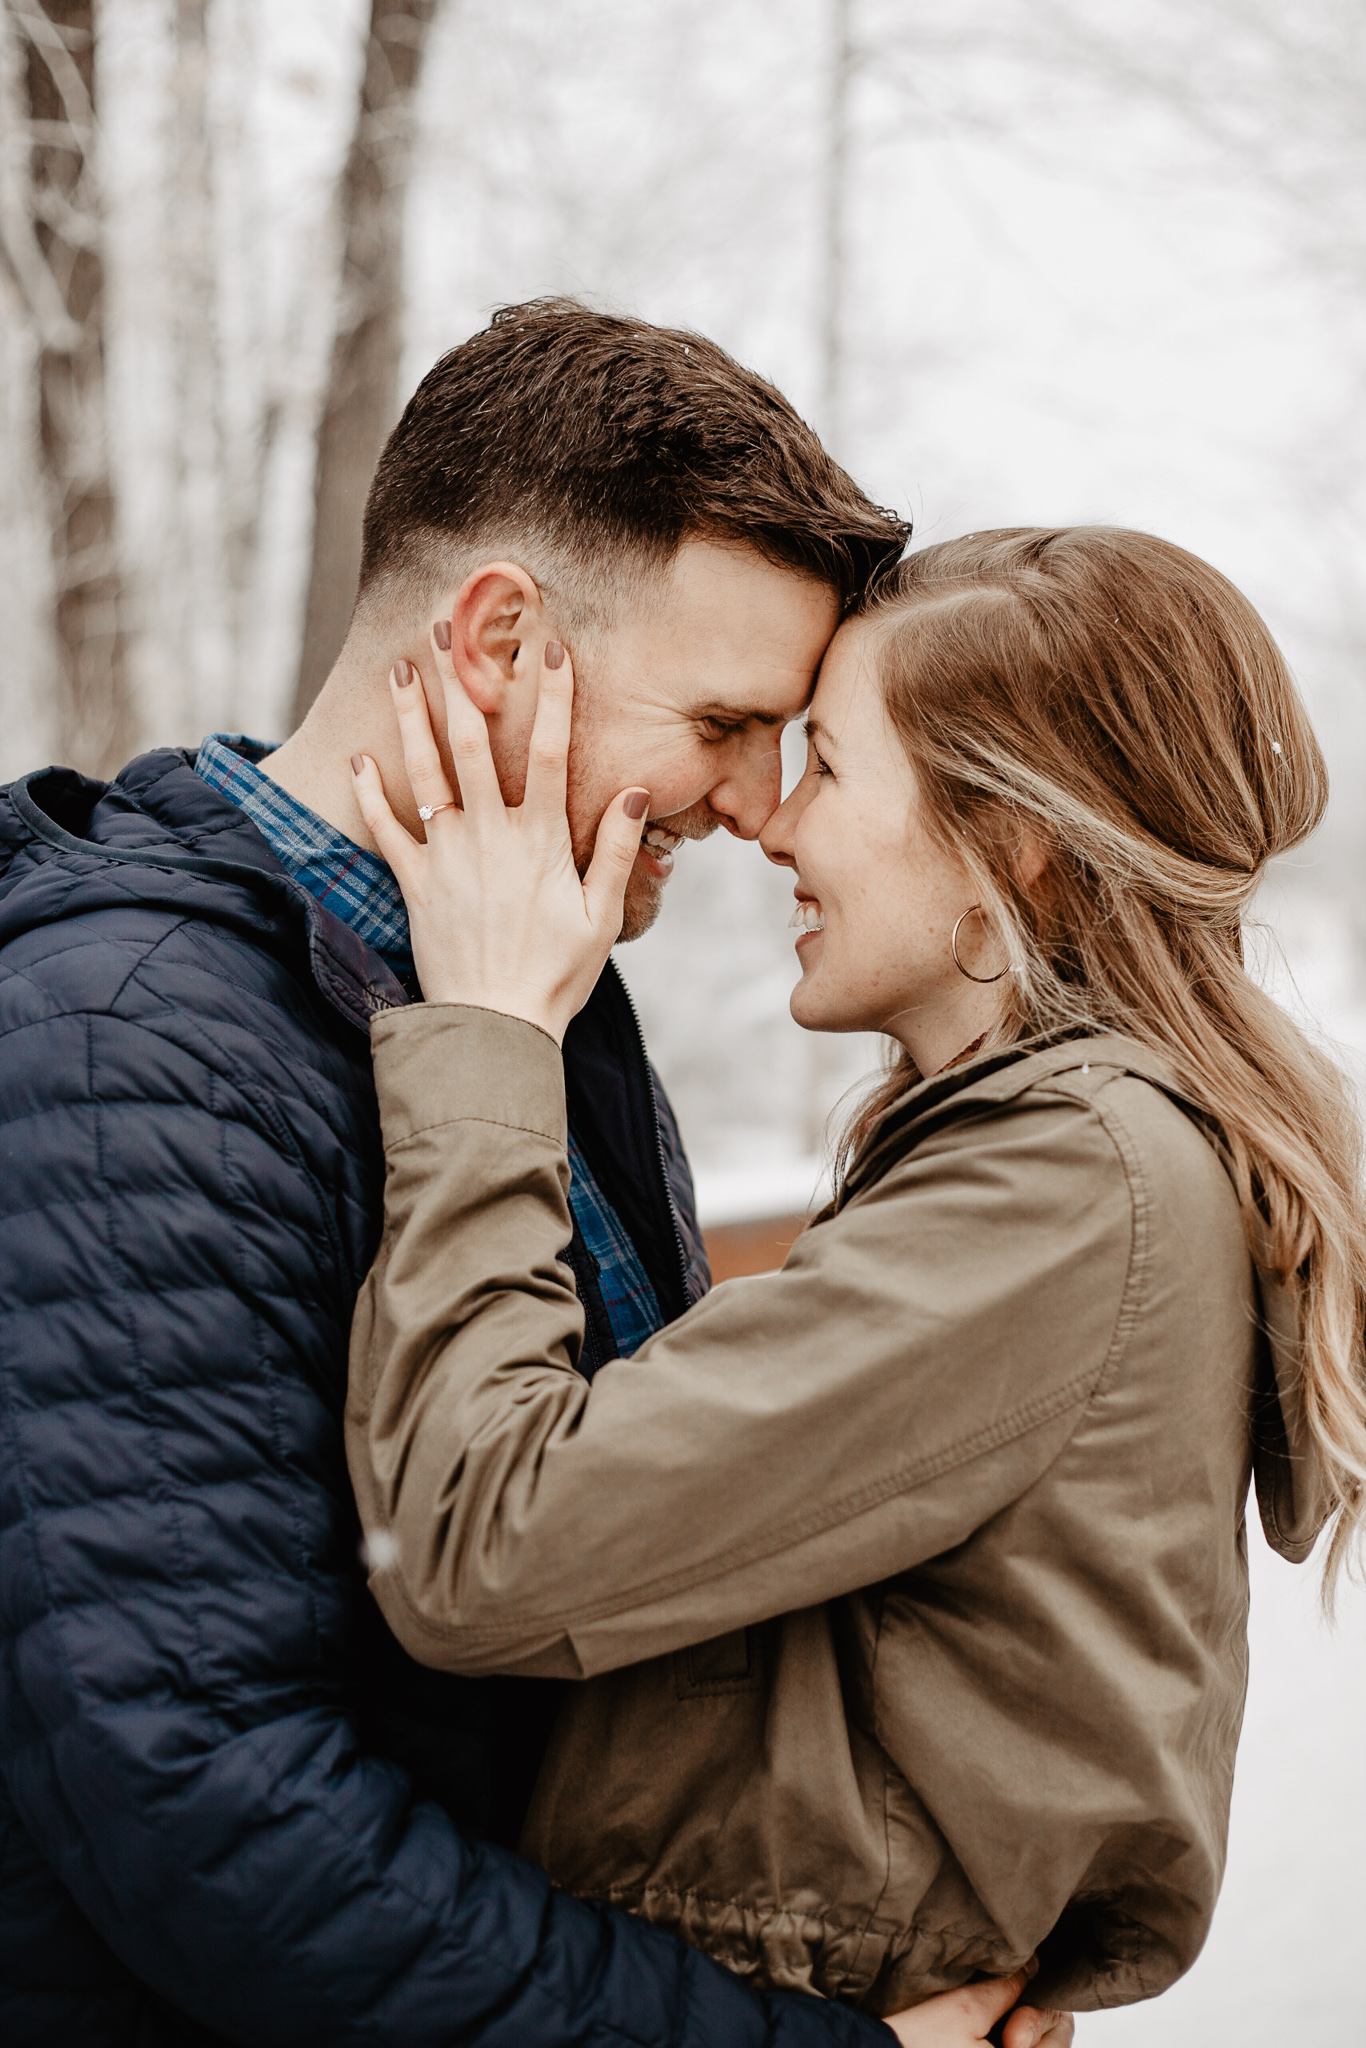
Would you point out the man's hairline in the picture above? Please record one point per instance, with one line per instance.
(553, 569)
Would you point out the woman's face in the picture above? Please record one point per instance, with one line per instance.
(881, 895)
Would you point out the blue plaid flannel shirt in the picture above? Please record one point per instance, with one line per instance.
(357, 887)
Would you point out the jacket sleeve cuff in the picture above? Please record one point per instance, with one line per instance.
(440, 1063)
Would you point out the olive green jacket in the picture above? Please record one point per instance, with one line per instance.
(908, 1584)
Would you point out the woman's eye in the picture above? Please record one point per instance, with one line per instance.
(822, 765)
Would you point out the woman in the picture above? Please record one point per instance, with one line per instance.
(909, 1584)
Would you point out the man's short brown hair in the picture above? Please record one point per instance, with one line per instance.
(599, 444)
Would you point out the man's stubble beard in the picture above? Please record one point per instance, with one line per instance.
(641, 906)
(644, 895)
(644, 898)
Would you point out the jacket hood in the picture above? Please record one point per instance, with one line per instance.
(1293, 1490)
(1294, 1496)
(159, 838)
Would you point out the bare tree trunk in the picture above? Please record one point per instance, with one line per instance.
(195, 608)
(362, 399)
(833, 248)
(60, 271)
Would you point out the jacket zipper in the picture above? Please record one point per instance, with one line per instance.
(659, 1139)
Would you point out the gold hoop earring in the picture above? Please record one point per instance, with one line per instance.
(982, 979)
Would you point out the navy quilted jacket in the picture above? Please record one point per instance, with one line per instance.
(201, 1837)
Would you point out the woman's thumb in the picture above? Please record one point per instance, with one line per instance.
(990, 2000)
(1031, 2027)
(614, 850)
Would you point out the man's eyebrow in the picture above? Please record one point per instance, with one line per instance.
(740, 714)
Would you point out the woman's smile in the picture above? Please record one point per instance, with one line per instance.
(808, 919)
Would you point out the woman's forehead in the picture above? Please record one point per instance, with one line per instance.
(847, 696)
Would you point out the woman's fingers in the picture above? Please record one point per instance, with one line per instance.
(467, 736)
(420, 756)
(1031, 2027)
(989, 2000)
(955, 2019)
(614, 851)
(394, 843)
(547, 771)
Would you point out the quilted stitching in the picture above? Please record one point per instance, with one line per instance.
(194, 1847)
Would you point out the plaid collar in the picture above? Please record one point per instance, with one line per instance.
(631, 1304)
(357, 887)
(353, 884)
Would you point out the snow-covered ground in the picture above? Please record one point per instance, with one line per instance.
(1285, 1964)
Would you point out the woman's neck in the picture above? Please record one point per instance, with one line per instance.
(954, 1028)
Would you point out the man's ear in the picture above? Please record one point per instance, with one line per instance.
(498, 629)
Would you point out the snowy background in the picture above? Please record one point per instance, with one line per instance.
(1023, 261)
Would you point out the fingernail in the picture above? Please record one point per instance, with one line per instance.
(441, 633)
(1031, 1968)
(554, 658)
(357, 763)
(638, 802)
(403, 673)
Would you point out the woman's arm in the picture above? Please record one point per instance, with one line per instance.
(915, 1367)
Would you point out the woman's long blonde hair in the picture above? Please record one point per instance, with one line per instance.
(1121, 702)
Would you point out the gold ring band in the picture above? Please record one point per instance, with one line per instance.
(426, 811)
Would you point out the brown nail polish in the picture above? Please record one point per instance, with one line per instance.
(441, 633)
(637, 803)
(554, 654)
(403, 673)
(357, 763)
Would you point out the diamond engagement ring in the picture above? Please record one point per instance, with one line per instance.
(426, 811)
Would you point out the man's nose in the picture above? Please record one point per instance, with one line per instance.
(751, 789)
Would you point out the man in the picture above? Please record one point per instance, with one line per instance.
(230, 1808)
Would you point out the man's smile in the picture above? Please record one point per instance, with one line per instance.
(657, 849)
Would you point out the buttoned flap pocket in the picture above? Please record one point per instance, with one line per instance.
(726, 1664)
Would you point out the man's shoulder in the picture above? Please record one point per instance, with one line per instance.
(152, 1003)
(145, 961)
(155, 897)
(183, 1117)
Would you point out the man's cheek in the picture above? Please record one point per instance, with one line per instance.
(679, 778)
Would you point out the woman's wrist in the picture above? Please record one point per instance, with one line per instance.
(517, 1004)
(438, 1063)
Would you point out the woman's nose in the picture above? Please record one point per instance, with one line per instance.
(776, 837)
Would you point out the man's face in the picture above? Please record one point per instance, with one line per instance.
(688, 697)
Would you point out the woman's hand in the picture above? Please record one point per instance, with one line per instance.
(499, 915)
(957, 2019)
